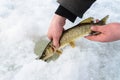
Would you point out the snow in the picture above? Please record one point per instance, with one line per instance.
(24, 21)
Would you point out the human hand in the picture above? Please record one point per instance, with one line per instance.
(109, 32)
(55, 29)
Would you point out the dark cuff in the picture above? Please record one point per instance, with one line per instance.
(66, 13)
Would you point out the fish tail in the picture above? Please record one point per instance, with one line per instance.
(103, 20)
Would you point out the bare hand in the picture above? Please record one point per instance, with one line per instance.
(109, 33)
(56, 28)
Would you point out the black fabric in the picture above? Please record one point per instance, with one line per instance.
(65, 13)
(77, 7)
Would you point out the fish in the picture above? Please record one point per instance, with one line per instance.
(70, 35)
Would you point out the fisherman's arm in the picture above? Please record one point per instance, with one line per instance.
(76, 7)
(68, 9)
(61, 11)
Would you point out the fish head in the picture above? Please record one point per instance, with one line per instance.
(48, 52)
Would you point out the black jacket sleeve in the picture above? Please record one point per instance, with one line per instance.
(73, 7)
(65, 13)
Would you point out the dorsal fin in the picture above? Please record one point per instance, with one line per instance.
(88, 20)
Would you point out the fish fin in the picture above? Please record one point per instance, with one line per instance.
(94, 33)
(88, 20)
(103, 20)
(59, 51)
(72, 44)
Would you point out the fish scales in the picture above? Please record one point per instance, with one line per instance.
(74, 33)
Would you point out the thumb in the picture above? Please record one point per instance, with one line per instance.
(56, 42)
(96, 28)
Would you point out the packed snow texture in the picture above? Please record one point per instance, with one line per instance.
(22, 22)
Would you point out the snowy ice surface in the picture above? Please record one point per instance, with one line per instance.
(23, 21)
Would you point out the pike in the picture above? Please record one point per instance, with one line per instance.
(70, 35)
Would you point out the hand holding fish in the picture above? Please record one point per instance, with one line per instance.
(56, 28)
(67, 37)
(109, 32)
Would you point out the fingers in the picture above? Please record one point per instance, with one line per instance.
(49, 36)
(55, 40)
(97, 28)
(98, 38)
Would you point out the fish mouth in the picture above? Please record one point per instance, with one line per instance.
(52, 55)
(47, 53)
(42, 56)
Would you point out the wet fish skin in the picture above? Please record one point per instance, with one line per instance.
(48, 51)
(70, 35)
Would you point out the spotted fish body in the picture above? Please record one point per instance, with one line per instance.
(73, 33)
(70, 35)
